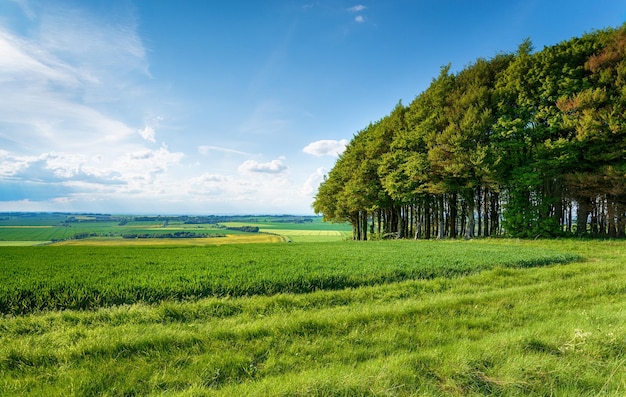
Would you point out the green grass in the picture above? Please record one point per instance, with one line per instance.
(54, 232)
(87, 277)
(506, 331)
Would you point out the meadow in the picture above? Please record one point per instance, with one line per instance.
(88, 277)
(390, 318)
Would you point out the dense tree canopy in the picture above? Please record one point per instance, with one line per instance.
(530, 144)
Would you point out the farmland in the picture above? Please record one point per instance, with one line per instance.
(485, 317)
(81, 277)
(104, 229)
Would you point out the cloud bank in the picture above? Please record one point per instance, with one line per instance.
(78, 130)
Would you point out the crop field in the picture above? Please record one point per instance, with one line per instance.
(82, 277)
(19, 229)
(389, 318)
(21, 243)
(308, 235)
(236, 238)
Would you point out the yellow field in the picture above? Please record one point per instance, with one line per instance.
(229, 239)
(291, 232)
(21, 243)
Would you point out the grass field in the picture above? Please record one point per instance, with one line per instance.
(240, 238)
(316, 231)
(86, 277)
(20, 229)
(489, 317)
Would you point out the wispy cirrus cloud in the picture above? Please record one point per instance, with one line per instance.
(78, 129)
(64, 80)
(26, 8)
(205, 150)
(60, 78)
(357, 8)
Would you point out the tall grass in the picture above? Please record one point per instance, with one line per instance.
(509, 331)
(52, 278)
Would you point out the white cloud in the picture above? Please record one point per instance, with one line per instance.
(151, 161)
(313, 182)
(357, 8)
(23, 60)
(205, 150)
(326, 147)
(148, 133)
(276, 166)
(52, 168)
(74, 134)
(64, 81)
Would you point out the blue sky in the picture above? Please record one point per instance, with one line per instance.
(227, 107)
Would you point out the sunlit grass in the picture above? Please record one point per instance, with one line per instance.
(21, 243)
(555, 330)
(87, 277)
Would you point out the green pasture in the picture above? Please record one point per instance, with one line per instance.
(87, 277)
(310, 236)
(454, 318)
(316, 231)
(56, 232)
(31, 219)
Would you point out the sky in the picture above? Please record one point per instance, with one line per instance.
(227, 107)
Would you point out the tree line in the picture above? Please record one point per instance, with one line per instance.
(526, 144)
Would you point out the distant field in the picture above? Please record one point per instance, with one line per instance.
(310, 236)
(23, 243)
(28, 227)
(53, 232)
(306, 232)
(71, 229)
(228, 239)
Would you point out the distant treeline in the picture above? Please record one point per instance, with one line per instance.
(65, 218)
(247, 229)
(179, 234)
(526, 144)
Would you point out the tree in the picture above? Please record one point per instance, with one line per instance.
(526, 138)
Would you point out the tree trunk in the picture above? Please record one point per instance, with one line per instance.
(469, 233)
(442, 219)
(454, 212)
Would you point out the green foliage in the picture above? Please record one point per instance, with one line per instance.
(247, 229)
(525, 138)
(52, 278)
